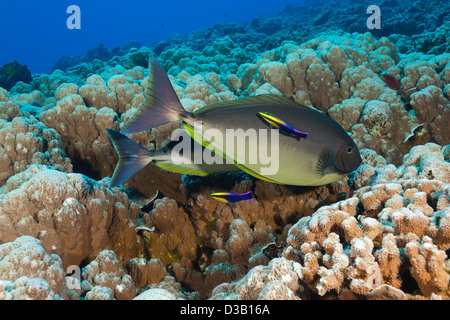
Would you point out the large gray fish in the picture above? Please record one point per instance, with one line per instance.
(326, 155)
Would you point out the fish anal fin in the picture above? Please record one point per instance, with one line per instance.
(182, 169)
(254, 174)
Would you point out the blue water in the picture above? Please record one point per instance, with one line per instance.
(35, 32)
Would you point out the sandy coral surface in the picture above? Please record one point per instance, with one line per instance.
(387, 238)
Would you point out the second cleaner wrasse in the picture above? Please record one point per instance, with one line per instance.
(326, 155)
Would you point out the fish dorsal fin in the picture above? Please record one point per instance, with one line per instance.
(161, 105)
(261, 100)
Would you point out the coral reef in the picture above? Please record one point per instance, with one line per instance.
(299, 21)
(395, 215)
(105, 280)
(79, 219)
(98, 53)
(348, 250)
(12, 73)
(280, 279)
(27, 272)
(383, 232)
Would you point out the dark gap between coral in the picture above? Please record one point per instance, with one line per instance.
(409, 284)
(84, 167)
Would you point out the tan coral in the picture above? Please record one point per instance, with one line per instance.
(364, 272)
(407, 221)
(419, 203)
(241, 238)
(25, 141)
(105, 272)
(28, 273)
(82, 131)
(64, 90)
(419, 72)
(145, 272)
(317, 227)
(278, 280)
(97, 94)
(206, 88)
(389, 260)
(440, 229)
(335, 261)
(276, 73)
(428, 266)
(81, 218)
(433, 109)
(348, 112)
(174, 239)
(9, 109)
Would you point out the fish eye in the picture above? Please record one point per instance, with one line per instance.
(349, 150)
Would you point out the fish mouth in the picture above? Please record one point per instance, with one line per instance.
(347, 171)
(345, 164)
(329, 163)
(342, 172)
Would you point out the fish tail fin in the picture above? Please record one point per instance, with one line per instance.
(161, 105)
(248, 196)
(132, 157)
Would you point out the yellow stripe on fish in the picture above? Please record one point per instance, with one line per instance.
(272, 120)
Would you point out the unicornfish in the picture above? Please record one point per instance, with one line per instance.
(326, 155)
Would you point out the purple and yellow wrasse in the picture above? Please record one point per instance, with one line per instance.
(229, 197)
(283, 126)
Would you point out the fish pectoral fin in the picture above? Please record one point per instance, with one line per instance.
(325, 164)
